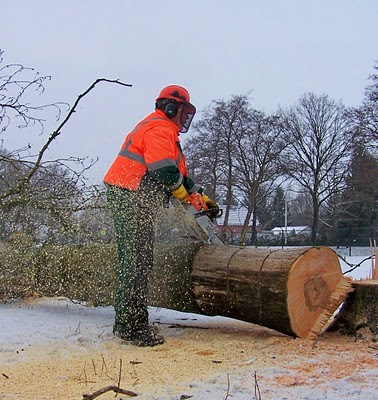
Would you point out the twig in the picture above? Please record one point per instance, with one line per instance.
(85, 378)
(112, 379)
(94, 366)
(257, 389)
(103, 364)
(228, 387)
(352, 265)
(135, 375)
(120, 373)
(108, 389)
(85, 374)
(77, 330)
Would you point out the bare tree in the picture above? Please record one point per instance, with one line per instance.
(257, 165)
(272, 210)
(235, 151)
(211, 150)
(319, 140)
(28, 181)
(300, 209)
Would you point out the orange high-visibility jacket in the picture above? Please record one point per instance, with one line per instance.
(153, 148)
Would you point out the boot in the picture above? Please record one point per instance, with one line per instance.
(145, 337)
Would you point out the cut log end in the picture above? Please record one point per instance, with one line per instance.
(316, 288)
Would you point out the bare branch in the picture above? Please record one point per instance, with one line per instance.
(354, 266)
(115, 389)
(26, 179)
(15, 84)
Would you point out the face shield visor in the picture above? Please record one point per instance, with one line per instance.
(187, 115)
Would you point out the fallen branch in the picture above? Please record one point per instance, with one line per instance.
(354, 266)
(115, 389)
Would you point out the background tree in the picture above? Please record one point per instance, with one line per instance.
(366, 116)
(360, 211)
(332, 215)
(43, 210)
(300, 207)
(319, 142)
(210, 150)
(257, 166)
(272, 213)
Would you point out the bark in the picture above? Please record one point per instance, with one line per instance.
(360, 310)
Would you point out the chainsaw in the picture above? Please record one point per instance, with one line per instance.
(205, 217)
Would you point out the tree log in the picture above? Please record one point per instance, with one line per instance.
(360, 310)
(294, 291)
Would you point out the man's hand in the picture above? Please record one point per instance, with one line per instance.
(181, 194)
(211, 205)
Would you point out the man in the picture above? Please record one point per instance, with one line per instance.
(149, 169)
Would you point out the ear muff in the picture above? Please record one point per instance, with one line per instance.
(171, 109)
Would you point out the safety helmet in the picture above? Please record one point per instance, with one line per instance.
(178, 95)
(175, 92)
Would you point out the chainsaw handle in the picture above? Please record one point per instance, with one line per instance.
(196, 200)
(210, 212)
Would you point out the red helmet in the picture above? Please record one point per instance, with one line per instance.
(175, 92)
(180, 95)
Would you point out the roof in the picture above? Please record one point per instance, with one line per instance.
(236, 217)
(296, 229)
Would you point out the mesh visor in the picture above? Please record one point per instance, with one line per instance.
(187, 115)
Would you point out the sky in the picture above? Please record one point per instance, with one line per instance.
(273, 50)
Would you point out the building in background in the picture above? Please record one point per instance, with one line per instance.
(235, 224)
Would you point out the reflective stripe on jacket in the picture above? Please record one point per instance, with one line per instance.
(153, 148)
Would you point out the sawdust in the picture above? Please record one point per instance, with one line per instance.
(190, 357)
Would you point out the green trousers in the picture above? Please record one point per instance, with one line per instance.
(134, 215)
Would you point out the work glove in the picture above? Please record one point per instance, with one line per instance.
(195, 199)
(181, 194)
(211, 205)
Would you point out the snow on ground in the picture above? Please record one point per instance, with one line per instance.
(293, 372)
(49, 322)
(64, 320)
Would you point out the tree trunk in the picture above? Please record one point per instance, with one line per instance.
(315, 219)
(294, 291)
(246, 227)
(360, 310)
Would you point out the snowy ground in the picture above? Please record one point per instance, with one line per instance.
(54, 349)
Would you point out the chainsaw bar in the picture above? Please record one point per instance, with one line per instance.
(206, 224)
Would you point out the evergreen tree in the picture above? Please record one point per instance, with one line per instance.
(361, 195)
